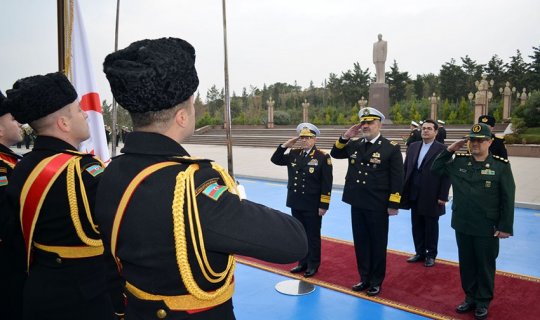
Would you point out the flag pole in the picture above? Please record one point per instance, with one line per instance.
(114, 116)
(61, 34)
(227, 115)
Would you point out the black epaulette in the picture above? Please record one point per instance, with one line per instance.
(189, 160)
(78, 153)
(501, 159)
(462, 154)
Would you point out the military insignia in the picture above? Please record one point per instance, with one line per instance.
(311, 170)
(366, 112)
(394, 143)
(487, 165)
(214, 191)
(488, 184)
(313, 162)
(3, 170)
(95, 169)
(462, 170)
(375, 160)
(352, 161)
(395, 197)
(487, 172)
(3, 181)
(293, 164)
(329, 161)
(477, 128)
(353, 156)
(484, 120)
(376, 155)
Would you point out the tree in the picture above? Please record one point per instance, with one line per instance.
(495, 70)
(453, 81)
(354, 84)
(473, 71)
(534, 68)
(397, 82)
(517, 70)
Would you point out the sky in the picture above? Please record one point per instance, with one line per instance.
(277, 40)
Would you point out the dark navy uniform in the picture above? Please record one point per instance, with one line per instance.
(309, 188)
(497, 147)
(155, 231)
(61, 285)
(414, 136)
(372, 185)
(441, 134)
(11, 268)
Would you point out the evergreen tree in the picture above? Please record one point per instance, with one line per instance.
(517, 70)
(397, 82)
(453, 81)
(533, 80)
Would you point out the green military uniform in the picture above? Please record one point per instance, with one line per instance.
(483, 205)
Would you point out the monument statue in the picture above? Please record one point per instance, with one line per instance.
(379, 58)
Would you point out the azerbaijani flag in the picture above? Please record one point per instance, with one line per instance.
(78, 68)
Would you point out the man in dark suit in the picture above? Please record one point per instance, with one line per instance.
(172, 221)
(497, 147)
(373, 189)
(425, 193)
(308, 189)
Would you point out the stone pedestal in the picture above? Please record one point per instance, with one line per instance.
(379, 98)
(479, 109)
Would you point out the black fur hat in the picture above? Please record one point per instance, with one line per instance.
(35, 97)
(152, 75)
(3, 106)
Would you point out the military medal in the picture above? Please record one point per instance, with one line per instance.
(311, 170)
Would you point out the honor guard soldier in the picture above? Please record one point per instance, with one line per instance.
(482, 213)
(414, 135)
(497, 147)
(11, 274)
(372, 187)
(441, 133)
(308, 189)
(173, 222)
(52, 189)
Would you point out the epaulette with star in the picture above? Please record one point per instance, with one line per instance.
(501, 159)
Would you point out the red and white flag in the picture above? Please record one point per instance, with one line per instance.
(79, 70)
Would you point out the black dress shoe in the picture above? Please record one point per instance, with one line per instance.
(373, 291)
(481, 313)
(430, 262)
(360, 286)
(465, 307)
(310, 272)
(415, 258)
(299, 268)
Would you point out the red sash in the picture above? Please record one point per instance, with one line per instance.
(10, 160)
(34, 192)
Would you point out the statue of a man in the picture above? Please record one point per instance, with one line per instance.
(379, 58)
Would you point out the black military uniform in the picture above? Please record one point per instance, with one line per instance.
(11, 274)
(372, 185)
(414, 136)
(483, 205)
(309, 188)
(56, 186)
(172, 221)
(441, 132)
(497, 147)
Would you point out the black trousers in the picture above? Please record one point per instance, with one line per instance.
(312, 224)
(425, 231)
(370, 234)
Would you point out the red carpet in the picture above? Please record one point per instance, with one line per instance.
(431, 292)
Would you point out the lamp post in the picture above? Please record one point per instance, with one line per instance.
(506, 94)
(305, 106)
(270, 103)
(434, 100)
(482, 96)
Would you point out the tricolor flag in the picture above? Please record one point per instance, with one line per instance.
(78, 69)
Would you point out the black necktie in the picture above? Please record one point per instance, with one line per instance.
(368, 144)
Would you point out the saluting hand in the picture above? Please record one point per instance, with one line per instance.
(352, 131)
(456, 145)
(290, 143)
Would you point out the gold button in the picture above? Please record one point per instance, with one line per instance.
(161, 314)
(58, 260)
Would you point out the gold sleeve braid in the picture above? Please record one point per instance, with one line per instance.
(185, 185)
(75, 165)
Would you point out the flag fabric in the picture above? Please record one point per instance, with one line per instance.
(79, 70)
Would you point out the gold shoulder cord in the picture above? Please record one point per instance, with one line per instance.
(75, 165)
(185, 184)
